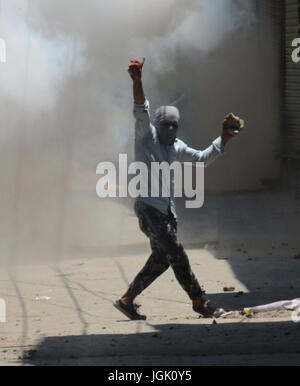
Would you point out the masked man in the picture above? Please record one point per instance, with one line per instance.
(158, 142)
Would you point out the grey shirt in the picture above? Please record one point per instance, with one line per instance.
(148, 149)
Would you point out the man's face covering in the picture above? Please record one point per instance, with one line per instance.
(166, 121)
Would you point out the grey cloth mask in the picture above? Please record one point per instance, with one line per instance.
(168, 113)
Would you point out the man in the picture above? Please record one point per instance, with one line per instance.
(156, 215)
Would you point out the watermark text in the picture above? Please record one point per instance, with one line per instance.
(296, 51)
(2, 311)
(157, 180)
(2, 51)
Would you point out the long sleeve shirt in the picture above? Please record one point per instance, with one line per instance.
(148, 149)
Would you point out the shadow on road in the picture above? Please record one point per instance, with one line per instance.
(174, 341)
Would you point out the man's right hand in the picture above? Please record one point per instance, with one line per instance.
(135, 69)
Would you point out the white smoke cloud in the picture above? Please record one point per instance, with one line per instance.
(115, 32)
(68, 59)
(36, 65)
(203, 29)
(41, 36)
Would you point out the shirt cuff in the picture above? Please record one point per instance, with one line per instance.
(142, 107)
(219, 145)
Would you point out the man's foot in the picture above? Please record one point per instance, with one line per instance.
(130, 310)
(205, 308)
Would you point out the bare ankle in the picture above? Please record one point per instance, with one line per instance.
(197, 302)
(126, 300)
(129, 296)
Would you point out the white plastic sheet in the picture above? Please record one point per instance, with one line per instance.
(290, 305)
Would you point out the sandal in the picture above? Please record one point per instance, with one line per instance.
(206, 309)
(130, 310)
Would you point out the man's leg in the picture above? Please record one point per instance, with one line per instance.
(179, 262)
(155, 266)
(157, 263)
(162, 231)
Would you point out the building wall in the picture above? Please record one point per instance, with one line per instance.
(245, 76)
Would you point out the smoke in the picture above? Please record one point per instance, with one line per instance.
(119, 30)
(167, 33)
(205, 26)
(51, 41)
(36, 65)
(66, 101)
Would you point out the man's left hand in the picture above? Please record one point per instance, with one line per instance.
(232, 125)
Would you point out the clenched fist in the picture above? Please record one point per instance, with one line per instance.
(135, 69)
(232, 125)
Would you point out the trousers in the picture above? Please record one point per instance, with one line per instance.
(161, 230)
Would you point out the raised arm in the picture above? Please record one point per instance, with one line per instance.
(135, 72)
(141, 105)
(232, 125)
(207, 156)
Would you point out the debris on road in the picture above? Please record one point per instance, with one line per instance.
(289, 305)
(228, 289)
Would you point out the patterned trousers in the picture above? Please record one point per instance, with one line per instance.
(161, 229)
